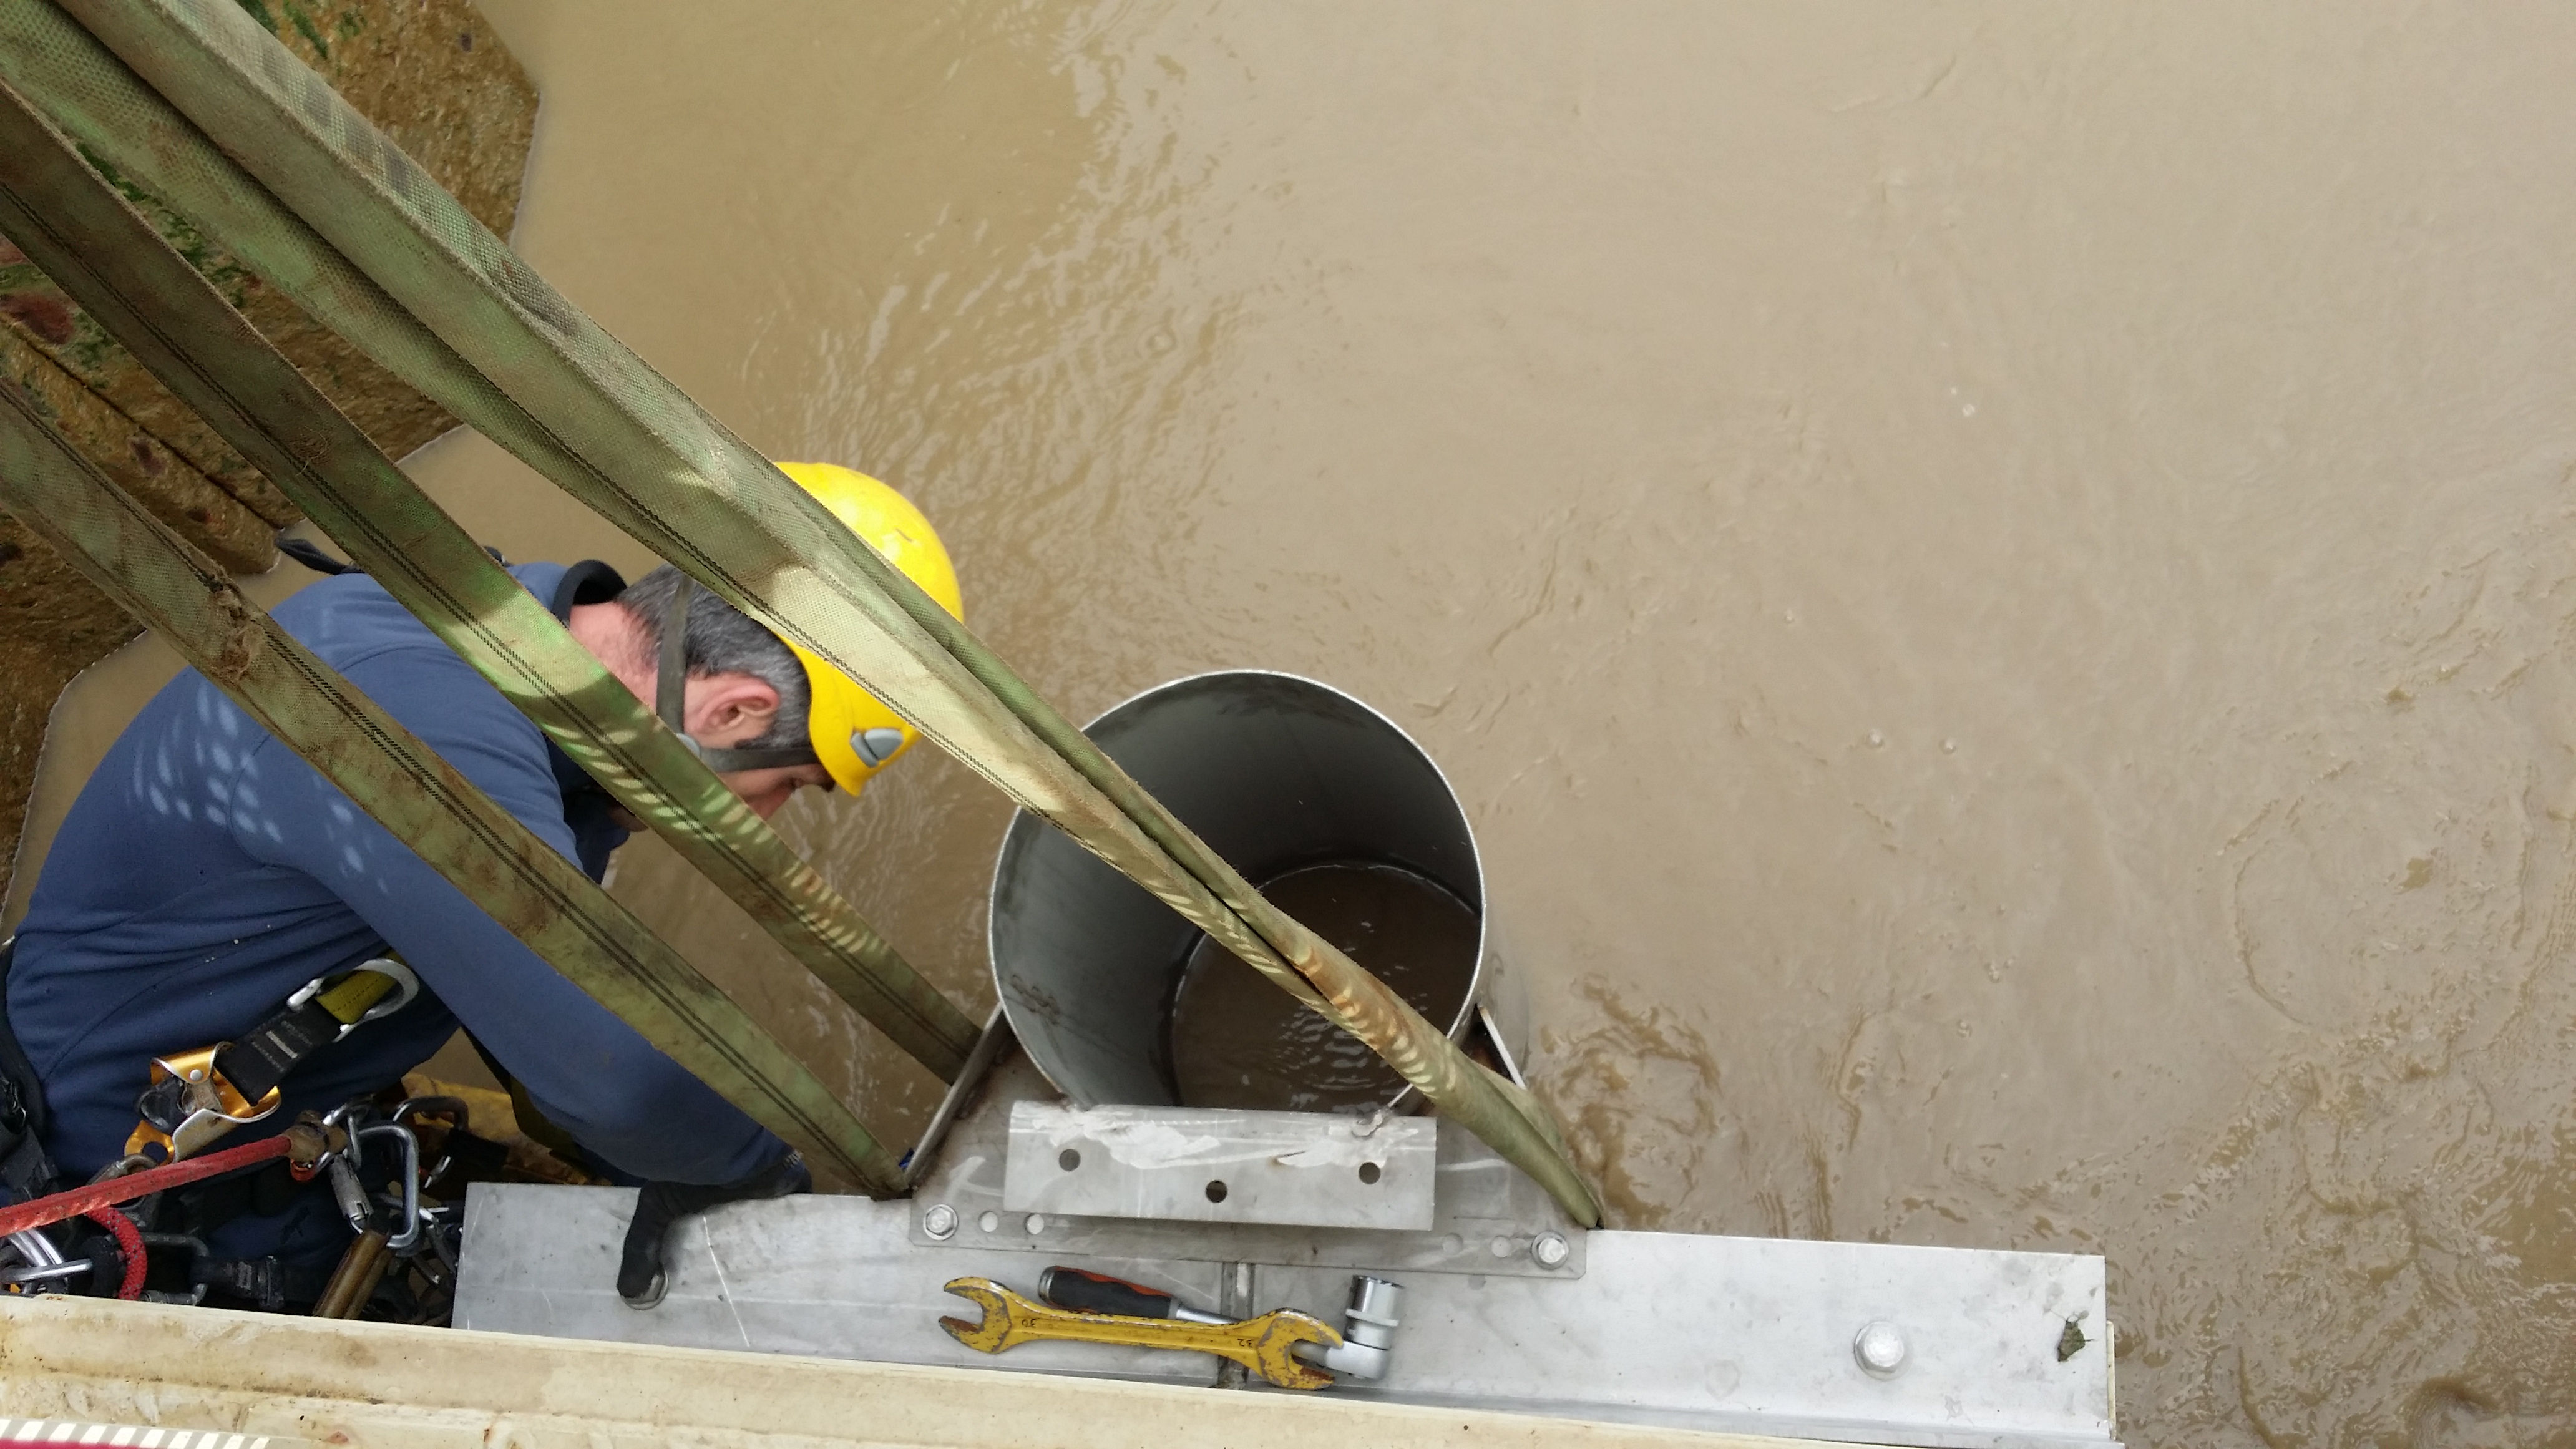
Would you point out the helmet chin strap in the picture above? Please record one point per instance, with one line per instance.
(671, 698)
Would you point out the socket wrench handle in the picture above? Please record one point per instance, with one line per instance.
(1084, 1291)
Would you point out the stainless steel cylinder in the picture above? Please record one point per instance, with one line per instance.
(1275, 773)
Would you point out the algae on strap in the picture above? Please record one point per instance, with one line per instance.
(621, 438)
(480, 848)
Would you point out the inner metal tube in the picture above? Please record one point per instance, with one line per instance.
(1276, 772)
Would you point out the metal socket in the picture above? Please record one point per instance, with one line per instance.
(1368, 1329)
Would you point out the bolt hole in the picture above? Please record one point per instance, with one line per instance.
(1068, 1159)
(1216, 1191)
(1370, 1172)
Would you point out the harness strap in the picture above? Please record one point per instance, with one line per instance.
(25, 1171)
(262, 1059)
(671, 675)
(305, 552)
(671, 697)
(310, 554)
(271, 1283)
(197, 1096)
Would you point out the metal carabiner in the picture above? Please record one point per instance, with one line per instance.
(405, 1240)
(406, 990)
(336, 1122)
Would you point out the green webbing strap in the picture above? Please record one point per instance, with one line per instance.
(599, 422)
(74, 226)
(475, 844)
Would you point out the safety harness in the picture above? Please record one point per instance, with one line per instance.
(25, 1170)
(197, 1096)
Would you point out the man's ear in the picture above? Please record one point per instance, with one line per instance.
(731, 707)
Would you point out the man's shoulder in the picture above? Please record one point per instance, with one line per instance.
(354, 625)
(345, 618)
(349, 618)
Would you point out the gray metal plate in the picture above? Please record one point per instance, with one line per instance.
(1757, 1334)
(1748, 1334)
(1192, 1165)
(1486, 1214)
(830, 1276)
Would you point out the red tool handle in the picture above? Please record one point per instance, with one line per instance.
(1084, 1291)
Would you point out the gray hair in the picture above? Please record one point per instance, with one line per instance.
(724, 640)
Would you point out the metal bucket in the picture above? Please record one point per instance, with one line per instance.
(1275, 773)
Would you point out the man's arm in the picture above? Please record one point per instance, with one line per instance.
(588, 1071)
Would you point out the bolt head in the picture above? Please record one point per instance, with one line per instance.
(939, 1220)
(1551, 1250)
(1880, 1348)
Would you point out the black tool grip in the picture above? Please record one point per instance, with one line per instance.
(1087, 1292)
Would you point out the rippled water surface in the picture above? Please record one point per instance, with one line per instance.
(1997, 581)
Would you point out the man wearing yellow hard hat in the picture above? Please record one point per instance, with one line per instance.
(763, 712)
(206, 875)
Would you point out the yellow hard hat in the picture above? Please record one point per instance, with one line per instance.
(853, 733)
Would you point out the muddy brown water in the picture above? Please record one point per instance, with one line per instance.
(1238, 1041)
(1997, 582)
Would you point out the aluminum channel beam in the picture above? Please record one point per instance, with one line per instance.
(1758, 1335)
(1747, 1334)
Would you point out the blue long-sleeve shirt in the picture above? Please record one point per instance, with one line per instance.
(206, 871)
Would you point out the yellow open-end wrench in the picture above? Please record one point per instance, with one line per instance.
(1259, 1344)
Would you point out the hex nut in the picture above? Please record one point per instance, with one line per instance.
(939, 1220)
(1879, 1348)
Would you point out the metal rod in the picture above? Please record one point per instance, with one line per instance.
(988, 1048)
(624, 441)
(480, 848)
(354, 1281)
(71, 223)
(35, 1247)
